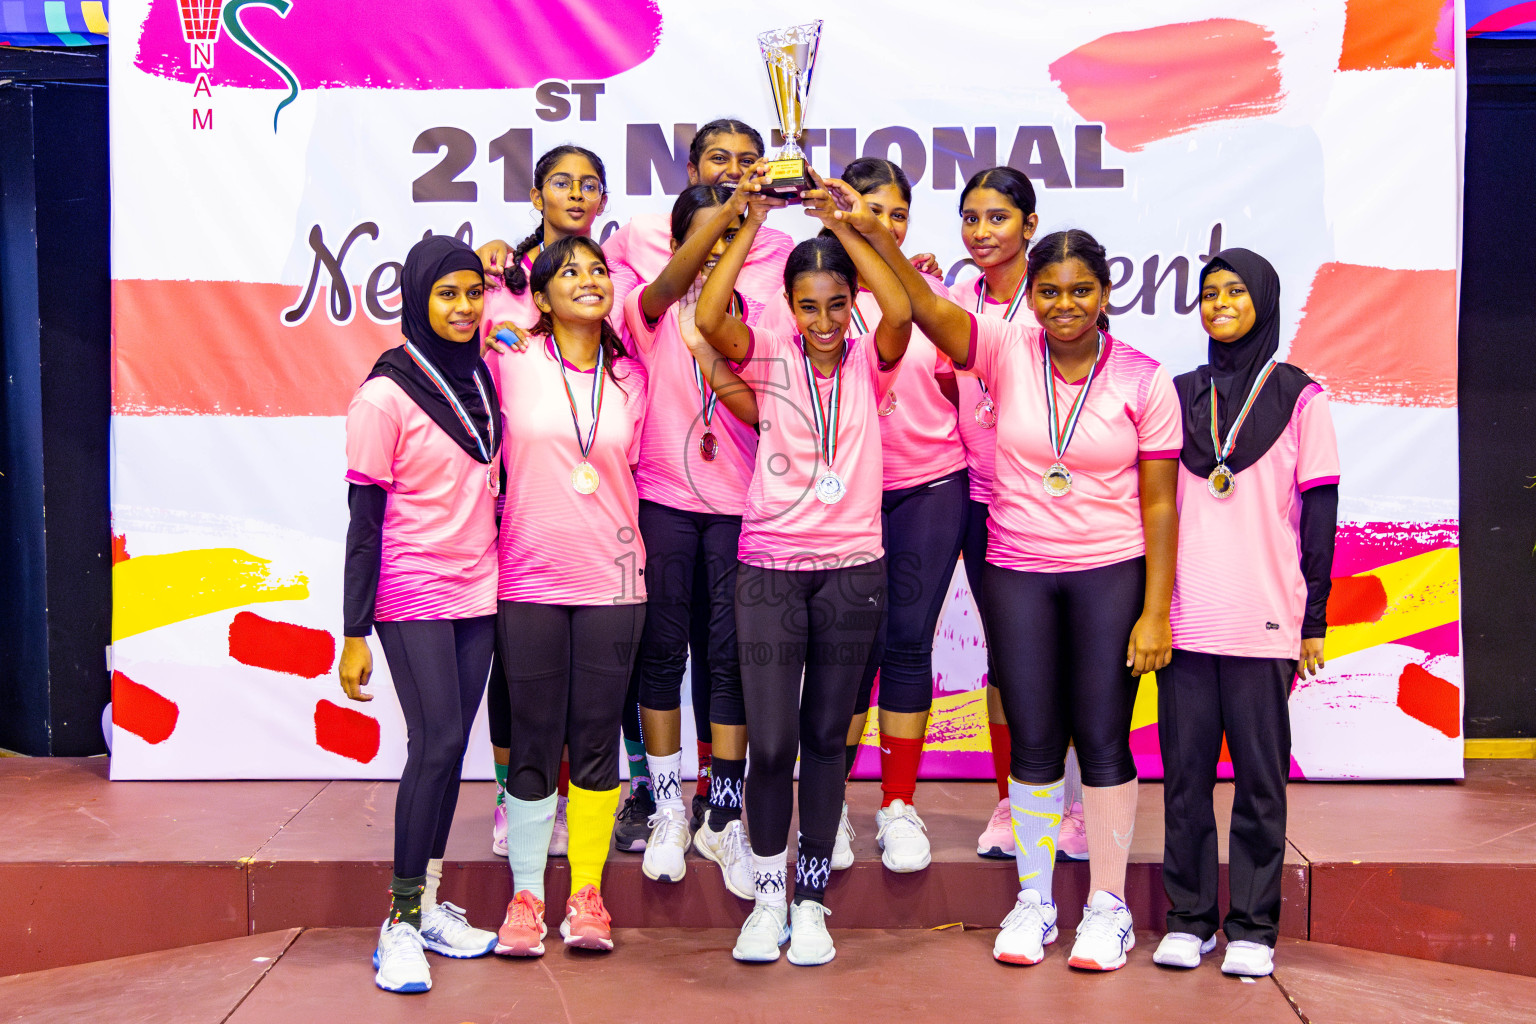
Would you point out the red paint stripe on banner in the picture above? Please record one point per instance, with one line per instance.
(1397, 34)
(119, 548)
(1356, 599)
(142, 711)
(1158, 82)
(346, 732)
(1380, 337)
(245, 361)
(1430, 699)
(281, 646)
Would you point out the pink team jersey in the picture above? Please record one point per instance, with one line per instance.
(559, 546)
(1132, 414)
(671, 470)
(786, 526)
(980, 442)
(439, 553)
(639, 250)
(1239, 589)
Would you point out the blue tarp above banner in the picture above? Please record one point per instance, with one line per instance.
(53, 22)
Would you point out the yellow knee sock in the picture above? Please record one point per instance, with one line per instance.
(589, 815)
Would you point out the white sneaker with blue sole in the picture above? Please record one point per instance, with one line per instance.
(401, 959)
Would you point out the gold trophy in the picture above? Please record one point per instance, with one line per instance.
(790, 56)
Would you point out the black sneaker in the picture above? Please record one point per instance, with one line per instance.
(700, 809)
(634, 824)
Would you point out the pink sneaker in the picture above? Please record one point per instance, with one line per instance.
(587, 924)
(1072, 844)
(499, 832)
(523, 931)
(997, 838)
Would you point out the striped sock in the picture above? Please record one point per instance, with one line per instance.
(529, 824)
(1036, 826)
(589, 814)
(1109, 818)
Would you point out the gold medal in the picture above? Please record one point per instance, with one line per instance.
(1222, 483)
(584, 477)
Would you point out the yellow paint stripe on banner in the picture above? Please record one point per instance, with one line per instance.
(95, 15)
(150, 591)
(1422, 592)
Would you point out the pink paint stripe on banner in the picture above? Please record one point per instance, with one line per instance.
(407, 44)
(1361, 547)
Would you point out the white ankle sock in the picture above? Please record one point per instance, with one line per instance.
(434, 879)
(770, 878)
(666, 780)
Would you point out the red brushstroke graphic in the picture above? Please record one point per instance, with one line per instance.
(281, 646)
(1159, 82)
(142, 711)
(1361, 547)
(119, 548)
(1430, 699)
(407, 44)
(1395, 34)
(1380, 337)
(1356, 599)
(346, 732)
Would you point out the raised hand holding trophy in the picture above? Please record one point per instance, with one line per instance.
(790, 56)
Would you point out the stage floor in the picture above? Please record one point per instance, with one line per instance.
(1439, 871)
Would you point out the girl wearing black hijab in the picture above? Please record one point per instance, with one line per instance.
(423, 436)
(1258, 501)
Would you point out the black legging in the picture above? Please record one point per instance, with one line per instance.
(1057, 646)
(819, 623)
(439, 667)
(498, 713)
(923, 527)
(566, 673)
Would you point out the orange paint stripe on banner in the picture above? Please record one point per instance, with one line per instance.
(1398, 34)
(220, 348)
(1380, 337)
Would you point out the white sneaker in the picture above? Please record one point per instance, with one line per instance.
(401, 959)
(1105, 934)
(730, 849)
(902, 837)
(665, 850)
(560, 837)
(842, 846)
(809, 943)
(765, 930)
(445, 931)
(1248, 959)
(1029, 927)
(1181, 949)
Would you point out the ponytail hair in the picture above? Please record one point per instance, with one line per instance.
(690, 201)
(820, 255)
(1010, 181)
(1076, 244)
(513, 274)
(545, 267)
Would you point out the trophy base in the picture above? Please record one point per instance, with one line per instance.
(787, 178)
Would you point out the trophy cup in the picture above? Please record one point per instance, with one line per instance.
(790, 56)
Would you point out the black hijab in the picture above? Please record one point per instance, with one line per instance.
(1234, 366)
(459, 363)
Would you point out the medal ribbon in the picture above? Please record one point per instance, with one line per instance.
(1223, 451)
(597, 400)
(825, 421)
(709, 400)
(488, 446)
(1015, 302)
(1062, 437)
(859, 327)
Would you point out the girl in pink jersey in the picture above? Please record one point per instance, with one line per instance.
(1258, 503)
(811, 585)
(572, 587)
(423, 435)
(922, 515)
(997, 220)
(570, 191)
(1079, 572)
(696, 456)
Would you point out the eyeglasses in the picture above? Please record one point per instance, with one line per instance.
(591, 188)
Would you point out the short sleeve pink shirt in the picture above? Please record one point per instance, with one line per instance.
(786, 526)
(1238, 589)
(671, 471)
(439, 551)
(1131, 415)
(639, 250)
(559, 546)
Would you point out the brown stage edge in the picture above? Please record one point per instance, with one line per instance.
(199, 984)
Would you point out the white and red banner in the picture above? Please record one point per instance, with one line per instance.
(273, 160)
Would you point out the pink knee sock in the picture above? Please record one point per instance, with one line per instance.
(1109, 814)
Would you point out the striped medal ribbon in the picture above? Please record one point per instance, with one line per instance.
(709, 444)
(1058, 479)
(1222, 483)
(488, 447)
(986, 411)
(584, 475)
(830, 487)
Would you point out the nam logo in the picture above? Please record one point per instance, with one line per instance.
(200, 24)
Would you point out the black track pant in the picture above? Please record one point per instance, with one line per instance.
(566, 668)
(439, 667)
(1057, 642)
(1200, 697)
(821, 623)
(923, 527)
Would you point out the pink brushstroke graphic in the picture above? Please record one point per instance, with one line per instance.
(1159, 82)
(405, 44)
(1441, 640)
(1361, 547)
(1500, 21)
